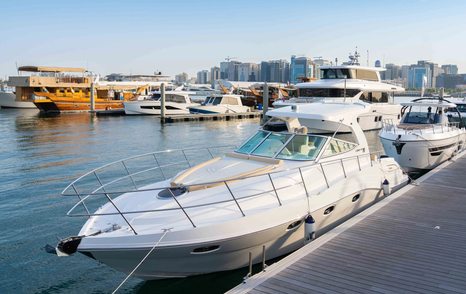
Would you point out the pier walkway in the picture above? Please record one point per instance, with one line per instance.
(412, 241)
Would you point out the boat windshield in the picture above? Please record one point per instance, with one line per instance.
(283, 145)
(421, 116)
(335, 73)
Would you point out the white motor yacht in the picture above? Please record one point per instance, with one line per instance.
(8, 100)
(351, 82)
(270, 196)
(227, 103)
(424, 138)
(176, 102)
(457, 114)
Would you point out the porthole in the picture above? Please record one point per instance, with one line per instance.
(206, 249)
(355, 198)
(169, 193)
(294, 225)
(329, 210)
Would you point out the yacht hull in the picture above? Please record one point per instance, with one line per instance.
(153, 108)
(416, 155)
(8, 100)
(233, 253)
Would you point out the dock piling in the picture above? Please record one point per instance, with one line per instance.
(265, 102)
(92, 98)
(162, 103)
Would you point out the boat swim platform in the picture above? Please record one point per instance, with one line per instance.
(412, 241)
(213, 116)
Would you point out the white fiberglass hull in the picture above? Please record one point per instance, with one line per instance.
(8, 100)
(227, 248)
(417, 153)
(212, 109)
(152, 107)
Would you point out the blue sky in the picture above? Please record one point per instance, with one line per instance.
(175, 36)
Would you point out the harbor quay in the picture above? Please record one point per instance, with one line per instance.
(411, 241)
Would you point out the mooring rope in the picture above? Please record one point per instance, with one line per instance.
(165, 231)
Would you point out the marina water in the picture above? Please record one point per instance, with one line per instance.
(40, 155)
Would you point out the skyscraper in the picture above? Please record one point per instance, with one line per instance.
(450, 69)
(214, 75)
(419, 76)
(203, 77)
(300, 67)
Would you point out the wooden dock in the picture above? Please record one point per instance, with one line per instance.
(213, 116)
(413, 241)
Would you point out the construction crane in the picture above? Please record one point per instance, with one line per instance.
(228, 58)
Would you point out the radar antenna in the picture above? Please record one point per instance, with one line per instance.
(354, 58)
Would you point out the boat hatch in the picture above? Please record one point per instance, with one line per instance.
(172, 192)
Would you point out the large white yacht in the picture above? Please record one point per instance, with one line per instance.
(424, 138)
(176, 102)
(351, 82)
(273, 193)
(227, 103)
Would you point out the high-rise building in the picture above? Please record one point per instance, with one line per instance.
(214, 75)
(301, 68)
(264, 71)
(248, 72)
(419, 76)
(203, 77)
(181, 78)
(450, 69)
(233, 70)
(392, 72)
(451, 81)
(224, 70)
(318, 62)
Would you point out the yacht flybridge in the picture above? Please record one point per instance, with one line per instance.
(276, 191)
(424, 138)
(352, 82)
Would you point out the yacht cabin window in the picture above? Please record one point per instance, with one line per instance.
(368, 75)
(283, 145)
(335, 73)
(336, 146)
(327, 92)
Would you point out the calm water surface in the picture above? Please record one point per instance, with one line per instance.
(40, 155)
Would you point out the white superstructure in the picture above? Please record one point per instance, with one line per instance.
(276, 191)
(351, 82)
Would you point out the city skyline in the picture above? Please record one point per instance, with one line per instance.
(114, 36)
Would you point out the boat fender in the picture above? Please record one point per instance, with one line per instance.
(386, 187)
(68, 245)
(309, 228)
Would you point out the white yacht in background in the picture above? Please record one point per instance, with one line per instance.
(277, 190)
(8, 100)
(351, 82)
(457, 114)
(424, 138)
(176, 102)
(227, 103)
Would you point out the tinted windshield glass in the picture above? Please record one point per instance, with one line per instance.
(327, 92)
(335, 73)
(217, 100)
(252, 142)
(302, 147)
(271, 145)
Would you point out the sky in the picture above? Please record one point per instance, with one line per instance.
(142, 36)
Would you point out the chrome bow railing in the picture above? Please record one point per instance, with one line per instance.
(108, 187)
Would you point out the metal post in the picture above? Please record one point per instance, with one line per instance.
(263, 258)
(179, 204)
(233, 196)
(250, 265)
(343, 167)
(162, 103)
(265, 102)
(92, 98)
(275, 190)
(325, 177)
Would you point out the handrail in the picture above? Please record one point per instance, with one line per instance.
(138, 156)
(184, 208)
